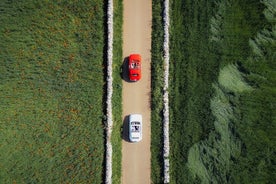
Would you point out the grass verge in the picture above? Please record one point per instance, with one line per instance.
(117, 93)
(157, 92)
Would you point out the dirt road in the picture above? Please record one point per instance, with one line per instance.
(136, 96)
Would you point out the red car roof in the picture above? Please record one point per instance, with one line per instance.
(134, 67)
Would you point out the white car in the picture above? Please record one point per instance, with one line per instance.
(135, 127)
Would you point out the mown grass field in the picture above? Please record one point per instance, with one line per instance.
(222, 92)
(51, 91)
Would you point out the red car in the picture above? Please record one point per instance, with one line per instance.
(134, 67)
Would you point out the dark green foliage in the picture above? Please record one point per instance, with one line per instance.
(193, 69)
(256, 123)
(51, 88)
(157, 92)
(255, 114)
(256, 128)
(206, 36)
(241, 21)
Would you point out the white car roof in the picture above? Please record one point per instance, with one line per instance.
(135, 129)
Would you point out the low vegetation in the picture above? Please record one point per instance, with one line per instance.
(51, 91)
(157, 93)
(117, 92)
(222, 92)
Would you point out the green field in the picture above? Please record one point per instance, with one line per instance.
(51, 91)
(117, 93)
(222, 92)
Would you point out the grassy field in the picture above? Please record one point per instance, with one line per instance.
(222, 92)
(194, 68)
(117, 93)
(51, 91)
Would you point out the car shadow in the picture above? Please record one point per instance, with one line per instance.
(125, 129)
(124, 70)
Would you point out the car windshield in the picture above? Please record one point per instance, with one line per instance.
(134, 64)
(135, 126)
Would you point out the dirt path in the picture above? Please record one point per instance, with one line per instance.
(136, 96)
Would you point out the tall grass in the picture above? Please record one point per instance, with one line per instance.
(210, 159)
(193, 69)
(231, 79)
(51, 89)
(256, 124)
(222, 92)
(219, 125)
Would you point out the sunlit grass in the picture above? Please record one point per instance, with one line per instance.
(51, 92)
(231, 79)
(215, 153)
